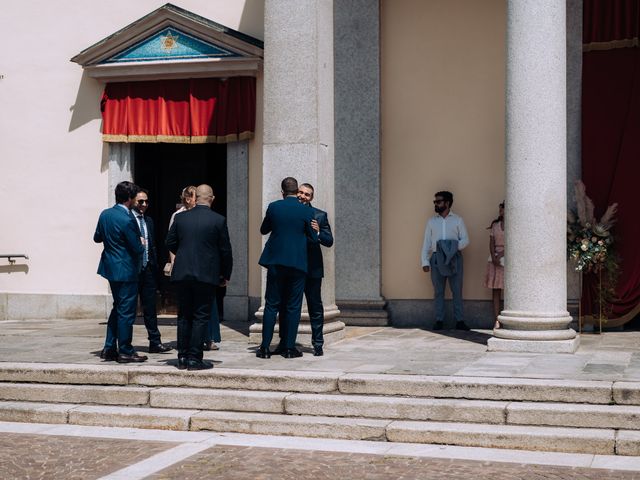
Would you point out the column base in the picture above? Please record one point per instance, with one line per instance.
(332, 332)
(533, 346)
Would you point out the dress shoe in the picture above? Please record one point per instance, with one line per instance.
(263, 353)
(135, 358)
(159, 348)
(108, 355)
(437, 325)
(210, 346)
(182, 363)
(292, 353)
(199, 365)
(280, 349)
(317, 351)
(461, 326)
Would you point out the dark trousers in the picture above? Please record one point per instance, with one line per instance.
(285, 286)
(147, 290)
(312, 292)
(195, 309)
(213, 325)
(122, 317)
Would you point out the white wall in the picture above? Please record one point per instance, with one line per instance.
(53, 178)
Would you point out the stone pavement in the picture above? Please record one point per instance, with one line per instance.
(610, 356)
(39, 451)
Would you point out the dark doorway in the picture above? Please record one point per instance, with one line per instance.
(165, 169)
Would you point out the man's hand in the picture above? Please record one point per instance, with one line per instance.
(142, 240)
(315, 226)
(426, 269)
(223, 282)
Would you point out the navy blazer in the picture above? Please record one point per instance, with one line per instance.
(200, 240)
(121, 258)
(315, 265)
(289, 223)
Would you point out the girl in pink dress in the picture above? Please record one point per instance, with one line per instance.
(494, 278)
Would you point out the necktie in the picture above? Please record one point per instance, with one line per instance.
(143, 231)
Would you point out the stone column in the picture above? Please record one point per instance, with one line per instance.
(535, 318)
(120, 166)
(298, 118)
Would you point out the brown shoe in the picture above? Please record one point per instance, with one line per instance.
(135, 358)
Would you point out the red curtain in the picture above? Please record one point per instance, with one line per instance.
(611, 139)
(207, 110)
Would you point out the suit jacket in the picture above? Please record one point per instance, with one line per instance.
(289, 223)
(151, 234)
(200, 240)
(315, 265)
(121, 258)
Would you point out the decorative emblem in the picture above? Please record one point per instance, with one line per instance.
(169, 42)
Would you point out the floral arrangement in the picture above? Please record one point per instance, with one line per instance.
(589, 241)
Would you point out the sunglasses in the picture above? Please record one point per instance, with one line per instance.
(143, 202)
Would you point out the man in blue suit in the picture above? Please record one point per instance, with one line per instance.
(285, 257)
(315, 267)
(120, 263)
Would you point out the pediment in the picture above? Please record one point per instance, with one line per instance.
(171, 42)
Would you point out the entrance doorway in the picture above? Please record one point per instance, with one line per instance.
(165, 169)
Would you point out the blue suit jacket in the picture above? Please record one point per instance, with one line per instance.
(315, 265)
(289, 223)
(121, 258)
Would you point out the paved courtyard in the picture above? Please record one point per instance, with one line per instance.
(66, 451)
(610, 356)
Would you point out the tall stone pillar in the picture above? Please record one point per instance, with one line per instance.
(298, 124)
(535, 318)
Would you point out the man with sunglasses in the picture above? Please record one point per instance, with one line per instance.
(445, 236)
(147, 284)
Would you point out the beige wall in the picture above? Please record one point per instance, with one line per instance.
(53, 180)
(443, 64)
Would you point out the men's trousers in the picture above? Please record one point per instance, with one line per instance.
(195, 309)
(285, 286)
(147, 290)
(313, 294)
(455, 284)
(213, 325)
(122, 317)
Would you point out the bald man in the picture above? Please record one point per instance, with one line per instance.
(200, 240)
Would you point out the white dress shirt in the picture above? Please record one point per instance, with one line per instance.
(450, 227)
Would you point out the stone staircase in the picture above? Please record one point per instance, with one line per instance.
(596, 417)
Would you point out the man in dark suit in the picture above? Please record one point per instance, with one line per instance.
(200, 240)
(285, 257)
(315, 267)
(120, 263)
(147, 285)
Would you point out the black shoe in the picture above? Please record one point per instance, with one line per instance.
(292, 353)
(199, 365)
(206, 346)
(159, 348)
(134, 358)
(263, 353)
(437, 325)
(317, 351)
(461, 326)
(280, 349)
(108, 355)
(182, 363)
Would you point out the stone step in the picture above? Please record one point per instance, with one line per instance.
(420, 386)
(363, 313)
(553, 439)
(337, 405)
(547, 439)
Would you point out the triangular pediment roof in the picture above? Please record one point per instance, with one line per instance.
(171, 42)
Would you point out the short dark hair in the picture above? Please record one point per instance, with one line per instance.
(289, 186)
(309, 186)
(446, 196)
(125, 191)
(142, 190)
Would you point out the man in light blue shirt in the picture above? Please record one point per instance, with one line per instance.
(444, 237)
